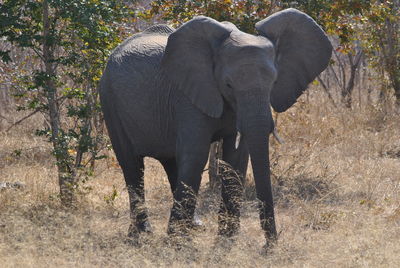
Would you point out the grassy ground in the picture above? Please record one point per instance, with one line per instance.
(336, 184)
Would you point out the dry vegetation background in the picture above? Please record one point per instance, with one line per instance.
(336, 183)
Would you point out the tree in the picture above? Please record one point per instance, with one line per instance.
(243, 13)
(380, 35)
(71, 41)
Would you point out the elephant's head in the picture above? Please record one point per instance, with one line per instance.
(212, 62)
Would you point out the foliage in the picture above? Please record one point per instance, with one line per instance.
(71, 41)
(339, 18)
(243, 13)
(334, 16)
(375, 24)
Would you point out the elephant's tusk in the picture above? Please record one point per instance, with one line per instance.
(238, 135)
(275, 133)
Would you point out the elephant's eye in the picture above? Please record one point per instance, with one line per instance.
(228, 85)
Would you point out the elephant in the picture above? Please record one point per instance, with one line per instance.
(169, 93)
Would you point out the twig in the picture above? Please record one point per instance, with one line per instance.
(37, 52)
(23, 119)
(326, 90)
(62, 98)
(2, 116)
(335, 75)
(342, 69)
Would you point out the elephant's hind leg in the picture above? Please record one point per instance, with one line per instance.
(134, 178)
(132, 166)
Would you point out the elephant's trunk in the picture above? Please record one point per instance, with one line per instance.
(255, 123)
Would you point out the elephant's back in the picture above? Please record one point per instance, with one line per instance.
(130, 73)
(132, 67)
(138, 55)
(130, 87)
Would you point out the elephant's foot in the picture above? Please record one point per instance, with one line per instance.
(179, 228)
(228, 226)
(180, 238)
(136, 231)
(224, 243)
(271, 239)
(144, 227)
(197, 223)
(268, 246)
(271, 235)
(184, 227)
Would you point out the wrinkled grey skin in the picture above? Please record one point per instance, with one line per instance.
(168, 94)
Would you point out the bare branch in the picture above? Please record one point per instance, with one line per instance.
(326, 90)
(2, 116)
(342, 69)
(335, 75)
(23, 119)
(38, 53)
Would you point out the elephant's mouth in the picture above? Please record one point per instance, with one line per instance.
(238, 138)
(253, 111)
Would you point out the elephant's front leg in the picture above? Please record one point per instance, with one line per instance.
(193, 145)
(232, 185)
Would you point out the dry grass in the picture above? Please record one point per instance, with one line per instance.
(336, 184)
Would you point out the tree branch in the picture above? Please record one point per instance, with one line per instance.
(23, 119)
(326, 90)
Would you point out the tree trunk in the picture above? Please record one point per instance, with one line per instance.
(390, 48)
(66, 176)
(348, 90)
(393, 58)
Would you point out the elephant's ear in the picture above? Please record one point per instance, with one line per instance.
(303, 52)
(188, 62)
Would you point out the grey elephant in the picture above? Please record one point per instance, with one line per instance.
(169, 93)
